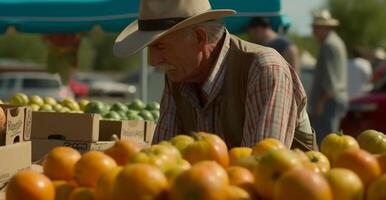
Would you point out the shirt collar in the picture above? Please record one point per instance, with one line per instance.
(208, 85)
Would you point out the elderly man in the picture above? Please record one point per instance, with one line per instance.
(216, 82)
(329, 97)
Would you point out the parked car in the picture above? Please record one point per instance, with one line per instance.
(33, 83)
(101, 85)
(78, 88)
(367, 111)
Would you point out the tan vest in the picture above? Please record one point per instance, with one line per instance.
(240, 57)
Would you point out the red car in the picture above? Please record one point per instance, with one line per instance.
(367, 111)
(78, 88)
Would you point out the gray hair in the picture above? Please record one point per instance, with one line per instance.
(214, 28)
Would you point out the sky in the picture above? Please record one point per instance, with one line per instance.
(299, 11)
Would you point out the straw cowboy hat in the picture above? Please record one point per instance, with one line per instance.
(324, 18)
(158, 18)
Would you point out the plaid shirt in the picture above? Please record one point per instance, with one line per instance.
(274, 100)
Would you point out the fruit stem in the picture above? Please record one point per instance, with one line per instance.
(114, 138)
(196, 136)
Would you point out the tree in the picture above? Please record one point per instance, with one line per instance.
(362, 23)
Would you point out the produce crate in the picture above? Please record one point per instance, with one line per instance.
(84, 132)
(15, 149)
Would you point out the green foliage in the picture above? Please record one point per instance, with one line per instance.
(362, 23)
(24, 47)
(95, 51)
(307, 43)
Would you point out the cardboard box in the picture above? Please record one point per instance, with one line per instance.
(137, 130)
(65, 126)
(42, 146)
(84, 132)
(13, 158)
(18, 124)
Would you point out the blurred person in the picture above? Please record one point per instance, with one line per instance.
(260, 31)
(359, 74)
(216, 82)
(329, 96)
(379, 65)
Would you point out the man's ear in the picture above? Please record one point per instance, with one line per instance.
(201, 36)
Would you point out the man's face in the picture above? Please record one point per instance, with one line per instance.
(256, 34)
(178, 54)
(319, 32)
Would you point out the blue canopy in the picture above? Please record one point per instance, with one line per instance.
(68, 16)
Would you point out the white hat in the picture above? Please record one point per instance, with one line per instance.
(160, 17)
(324, 18)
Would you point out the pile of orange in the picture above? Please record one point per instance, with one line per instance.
(202, 167)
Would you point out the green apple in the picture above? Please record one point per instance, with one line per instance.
(118, 106)
(46, 108)
(64, 110)
(153, 106)
(112, 115)
(71, 104)
(137, 104)
(34, 107)
(155, 114)
(83, 103)
(96, 107)
(57, 107)
(133, 116)
(36, 99)
(19, 99)
(146, 115)
(49, 100)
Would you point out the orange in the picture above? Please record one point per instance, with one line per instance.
(207, 146)
(59, 163)
(267, 144)
(140, 182)
(63, 189)
(364, 164)
(104, 186)
(30, 185)
(376, 190)
(382, 162)
(237, 153)
(235, 193)
(205, 180)
(90, 166)
(82, 194)
(122, 151)
(239, 176)
(345, 184)
(302, 184)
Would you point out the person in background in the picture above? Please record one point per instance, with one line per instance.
(329, 97)
(216, 82)
(359, 74)
(260, 32)
(379, 66)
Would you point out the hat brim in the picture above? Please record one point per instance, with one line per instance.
(131, 39)
(331, 22)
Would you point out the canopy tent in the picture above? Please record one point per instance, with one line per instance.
(69, 16)
(74, 16)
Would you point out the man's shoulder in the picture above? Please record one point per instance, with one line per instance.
(262, 55)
